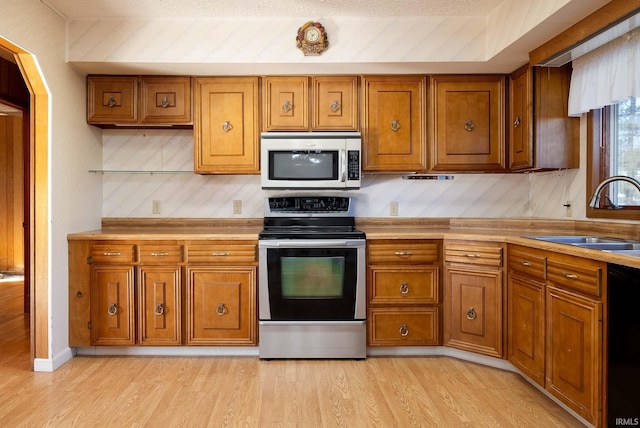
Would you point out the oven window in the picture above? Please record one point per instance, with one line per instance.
(312, 277)
(303, 165)
(312, 283)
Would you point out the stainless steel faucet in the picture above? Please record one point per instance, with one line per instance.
(595, 198)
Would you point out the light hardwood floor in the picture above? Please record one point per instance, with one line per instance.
(248, 392)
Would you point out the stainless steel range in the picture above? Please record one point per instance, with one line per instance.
(312, 288)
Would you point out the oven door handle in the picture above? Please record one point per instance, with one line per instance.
(314, 243)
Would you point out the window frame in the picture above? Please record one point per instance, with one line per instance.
(598, 164)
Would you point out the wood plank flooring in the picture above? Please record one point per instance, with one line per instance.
(248, 392)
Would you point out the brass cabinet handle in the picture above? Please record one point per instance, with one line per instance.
(403, 253)
(395, 125)
(164, 102)
(471, 314)
(112, 253)
(286, 107)
(472, 256)
(226, 126)
(112, 309)
(525, 263)
(404, 288)
(468, 126)
(111, 102)
(404, 331)
(78, 294)
(335, 106)
(569, 275)
(516, 123)
(159, 309)
(221, 253)
(163, 254)
(221, 310)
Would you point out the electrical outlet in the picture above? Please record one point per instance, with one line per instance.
(393, 208)
(156, 206)
(569, 210)
(237, 206)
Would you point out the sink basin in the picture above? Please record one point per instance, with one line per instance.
(610, 246)
(570, 239)
(614, 245)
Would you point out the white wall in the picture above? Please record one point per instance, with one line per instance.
(75, 195)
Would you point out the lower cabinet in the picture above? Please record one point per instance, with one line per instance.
(221, 306)
(112, 305)
(403, 292)
(159, 305)
(473, 297)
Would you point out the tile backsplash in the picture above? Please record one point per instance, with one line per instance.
(141, 166)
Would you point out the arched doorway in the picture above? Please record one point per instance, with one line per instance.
(38, 223)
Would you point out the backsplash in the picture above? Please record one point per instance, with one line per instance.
(167, 158)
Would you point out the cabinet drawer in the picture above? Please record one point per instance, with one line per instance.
(160, 254)
(576, 273)
(404, 286)
(487, 255)
(223, 253)
(403, 327)
(112, 253)
(528, 262)
(404, 252)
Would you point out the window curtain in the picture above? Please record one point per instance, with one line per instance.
(606, 75)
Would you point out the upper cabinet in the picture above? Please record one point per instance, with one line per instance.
(467, 126)
(226, 128)
(331, 100)
(393, 123)
(143, 101)
(542, 135)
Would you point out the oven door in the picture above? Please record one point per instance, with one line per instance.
(312, 280)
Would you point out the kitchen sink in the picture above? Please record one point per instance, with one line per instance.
(603, 243)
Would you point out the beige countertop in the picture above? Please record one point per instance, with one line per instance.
(511, 231)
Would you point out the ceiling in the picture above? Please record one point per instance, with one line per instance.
(78, 9)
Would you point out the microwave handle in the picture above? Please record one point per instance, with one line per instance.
(343, 165)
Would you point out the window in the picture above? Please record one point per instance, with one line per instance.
(614, 149)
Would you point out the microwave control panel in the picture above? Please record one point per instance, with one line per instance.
(353, 165)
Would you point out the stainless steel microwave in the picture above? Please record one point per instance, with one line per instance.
(310, 160)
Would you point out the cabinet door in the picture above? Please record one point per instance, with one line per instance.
(473, 310)
(159, 305)
(574, 346)
(526, 337)
(221, 306)
(335, 103)
(112, 99)
(520, 136)
(394, 132)
(468, 123)
(403, 326)
(165, 100)
(226, 129)
(112, 305)
(286, 103)
(79, 293)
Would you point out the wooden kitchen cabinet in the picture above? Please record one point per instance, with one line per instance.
(526, 311)
(221, 293)
(467, 126)
(112, 294)
(143, 100)
(226, 126)
(403, 292)
(394, 123)
(541, 134)
(334, 103)
(473, 297)
(285, 103)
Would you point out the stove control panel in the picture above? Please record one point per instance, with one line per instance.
(311, 204)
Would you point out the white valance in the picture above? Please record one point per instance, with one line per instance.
(606, 75)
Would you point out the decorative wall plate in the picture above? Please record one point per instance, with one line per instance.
(312, 38)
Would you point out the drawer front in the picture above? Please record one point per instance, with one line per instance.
(576, 273)
(473, 254)
(528, 262)
(160, 254)
(403, 327)
(410, 252)
(404, 286)
(222, 254)
(112, 253)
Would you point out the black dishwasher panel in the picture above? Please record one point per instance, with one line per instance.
(623, 370)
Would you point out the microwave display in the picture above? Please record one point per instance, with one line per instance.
(303, 165)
